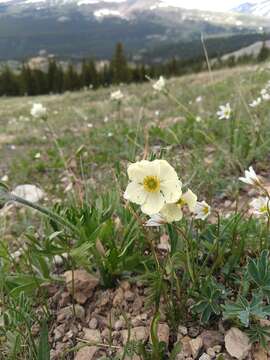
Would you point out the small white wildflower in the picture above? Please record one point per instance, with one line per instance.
(224, 112)
(89, 125)
(13, 147)
(153, 184)
(255, 102)
(117, 95)
(265, 95)
(4, 178)
(202, 210)
(37, 155)
(160, 84)
(106, 119)
(110, 134)
(198, 119)
(199, 99)
(260, 206)
(250, 177)
(38, 111)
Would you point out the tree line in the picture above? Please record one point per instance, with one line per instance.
(57, 80)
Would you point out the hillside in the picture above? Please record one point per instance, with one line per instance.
(73, 29)
(131, 220)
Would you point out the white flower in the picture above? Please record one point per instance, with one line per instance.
(37, 156)
(202, 210)
(198, 119)
(224, 112)
(117, 95)
(38, 111)
(4, 178)
(256, 102)
(155, 220)
(260, 205)
(199, 99)
(173, 212)
(160, 84)
(265, 95)
(153, 184)
(250, 177)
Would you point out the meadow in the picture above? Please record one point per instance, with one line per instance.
(92, 271)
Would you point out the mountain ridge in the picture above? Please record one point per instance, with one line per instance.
(81, 28)
(256, 8)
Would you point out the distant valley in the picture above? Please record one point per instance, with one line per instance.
(149, 29)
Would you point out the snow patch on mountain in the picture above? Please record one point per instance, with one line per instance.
(100, 14)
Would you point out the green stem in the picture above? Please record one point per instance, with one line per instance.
(50, 214)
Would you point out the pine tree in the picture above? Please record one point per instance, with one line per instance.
(71, 79)
(264, 52)
(119, 66)
(40, 80)
(8, 83)
(27, 83)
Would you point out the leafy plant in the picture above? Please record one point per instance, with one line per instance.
(259, 273)
(209, 298)
(259, 334)
(245, 311)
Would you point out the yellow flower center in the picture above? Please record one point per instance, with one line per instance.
(151, 183)
(205, 210)
(263, 209)
(181, 202)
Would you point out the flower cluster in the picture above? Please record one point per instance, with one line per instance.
(38, 111)
(160, 84)
(260, 205)
(264, 96)
(117, 95)
(155, 186)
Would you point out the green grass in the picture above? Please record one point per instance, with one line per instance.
(209, 156)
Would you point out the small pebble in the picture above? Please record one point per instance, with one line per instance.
(93, 323)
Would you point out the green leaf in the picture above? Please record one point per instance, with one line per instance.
(43, 346)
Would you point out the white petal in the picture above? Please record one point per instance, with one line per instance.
(190, 199)
(155, 220)
(153, 204)
(139, 170)
(172, 212)
(245, 180)
(167, 172)
(171, 190)
(135, 193)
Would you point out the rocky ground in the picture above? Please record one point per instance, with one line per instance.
(99, 323)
